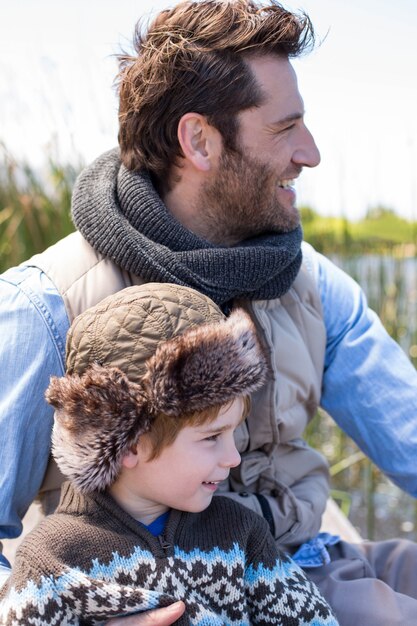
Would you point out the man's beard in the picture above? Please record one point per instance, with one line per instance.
(241, 202)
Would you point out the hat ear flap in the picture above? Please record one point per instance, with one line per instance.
(99, 416)
(207, 365)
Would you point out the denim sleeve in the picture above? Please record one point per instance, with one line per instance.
(33, 326)
(369, 384)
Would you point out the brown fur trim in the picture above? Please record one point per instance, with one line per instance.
(206, 366)
(99, 416)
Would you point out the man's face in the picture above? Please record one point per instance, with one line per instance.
(252, 192)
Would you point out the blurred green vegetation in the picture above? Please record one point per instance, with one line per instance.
(34, 207)
(381, 231)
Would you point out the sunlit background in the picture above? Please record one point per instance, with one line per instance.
(57, 65)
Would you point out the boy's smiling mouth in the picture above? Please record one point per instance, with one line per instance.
(211, 484)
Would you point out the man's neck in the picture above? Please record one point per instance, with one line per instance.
(182, 202)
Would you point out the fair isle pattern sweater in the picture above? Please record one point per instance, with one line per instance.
(91, 561)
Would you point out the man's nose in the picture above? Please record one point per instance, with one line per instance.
(306, 153)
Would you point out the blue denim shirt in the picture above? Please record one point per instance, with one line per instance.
(34, 325)
(369, 384)
(314, 553)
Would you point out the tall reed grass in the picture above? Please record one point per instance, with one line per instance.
(34, 207)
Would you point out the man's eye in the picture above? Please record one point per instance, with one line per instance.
(284, 130)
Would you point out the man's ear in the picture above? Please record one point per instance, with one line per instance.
(200, 143)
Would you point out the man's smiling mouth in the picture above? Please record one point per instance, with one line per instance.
(286, 183)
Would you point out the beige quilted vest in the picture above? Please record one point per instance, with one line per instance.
(293, 331)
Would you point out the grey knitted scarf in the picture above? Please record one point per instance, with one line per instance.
(120, 214)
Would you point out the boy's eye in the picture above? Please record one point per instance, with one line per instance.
(211, 437)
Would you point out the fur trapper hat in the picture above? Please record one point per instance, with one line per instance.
(149, 349)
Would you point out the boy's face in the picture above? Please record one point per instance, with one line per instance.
(186, 474)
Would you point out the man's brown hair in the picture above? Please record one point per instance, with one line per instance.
(193, 59)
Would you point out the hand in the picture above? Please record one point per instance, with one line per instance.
(158, 617)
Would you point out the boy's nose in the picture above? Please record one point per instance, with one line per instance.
(232, 458)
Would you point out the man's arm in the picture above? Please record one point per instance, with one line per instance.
(33, 325)
(369, 385)
(289, 488)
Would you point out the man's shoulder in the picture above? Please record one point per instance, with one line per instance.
(82, 275)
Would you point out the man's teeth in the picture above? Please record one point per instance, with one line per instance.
(211, 482)
(288, 182)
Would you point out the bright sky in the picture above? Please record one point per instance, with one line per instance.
(359, 88)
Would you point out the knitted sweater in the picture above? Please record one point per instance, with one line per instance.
(91, 561)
